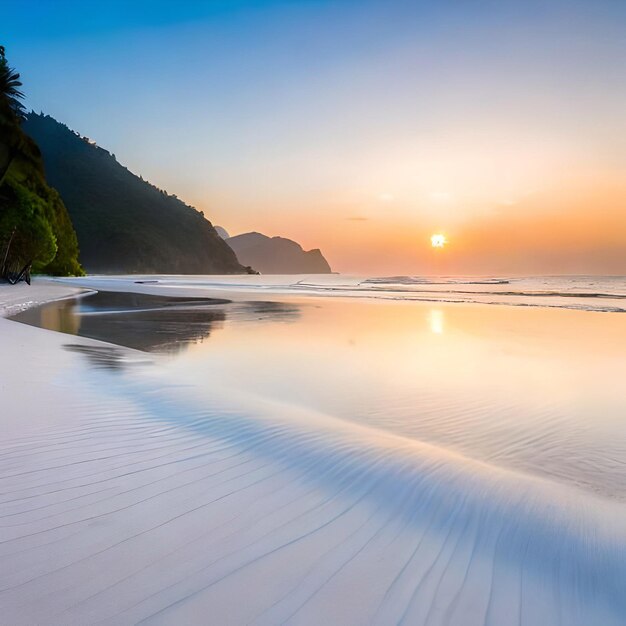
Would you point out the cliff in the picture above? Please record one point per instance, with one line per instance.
(277, 255)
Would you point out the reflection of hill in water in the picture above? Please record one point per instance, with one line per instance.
(118, 301)
(164, 324)
(150, 323)
(147, 322)
(264, 311)
(106, 357)
(155, 330)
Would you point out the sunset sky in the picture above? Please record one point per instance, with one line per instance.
(360, 127)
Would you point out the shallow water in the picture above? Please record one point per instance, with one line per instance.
(535, 390)
(306, 459)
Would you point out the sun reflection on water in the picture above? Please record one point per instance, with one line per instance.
(436, 321)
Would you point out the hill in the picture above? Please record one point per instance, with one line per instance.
(124, 224)
(277, 255)
(222, 232)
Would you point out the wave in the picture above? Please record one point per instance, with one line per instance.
(568, 294)
(421, 280)
(601, 294)
(457, 297)
(523, 294)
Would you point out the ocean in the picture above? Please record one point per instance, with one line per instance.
(592, 293)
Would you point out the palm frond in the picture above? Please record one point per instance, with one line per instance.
(10, 91)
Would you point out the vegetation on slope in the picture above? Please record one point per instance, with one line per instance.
(125, 224)
(35, 227)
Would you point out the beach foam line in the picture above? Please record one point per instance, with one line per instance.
(19, 297)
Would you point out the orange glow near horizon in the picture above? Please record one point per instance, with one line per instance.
(563, 215)
(478, 127)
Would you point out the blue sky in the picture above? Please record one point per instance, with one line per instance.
(294, 117)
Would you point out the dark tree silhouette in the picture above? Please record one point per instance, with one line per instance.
(10, 93)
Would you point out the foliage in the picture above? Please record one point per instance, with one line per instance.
(35, 226)
(24, 219)
(10, 94)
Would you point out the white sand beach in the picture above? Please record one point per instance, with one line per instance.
(132, 492)
(19, 297)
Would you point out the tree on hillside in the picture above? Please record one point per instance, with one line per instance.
(35, 228)
(10, 93)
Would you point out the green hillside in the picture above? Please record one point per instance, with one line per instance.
(125, 224)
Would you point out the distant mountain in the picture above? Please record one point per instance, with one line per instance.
(277, 255)
(124, 224)
(222, 232)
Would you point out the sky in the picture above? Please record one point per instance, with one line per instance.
(359, 127)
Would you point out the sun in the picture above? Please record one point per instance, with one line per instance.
(438, 240)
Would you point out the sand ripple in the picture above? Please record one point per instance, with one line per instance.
(167, 504)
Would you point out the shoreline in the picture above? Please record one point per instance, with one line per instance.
(19, 297)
